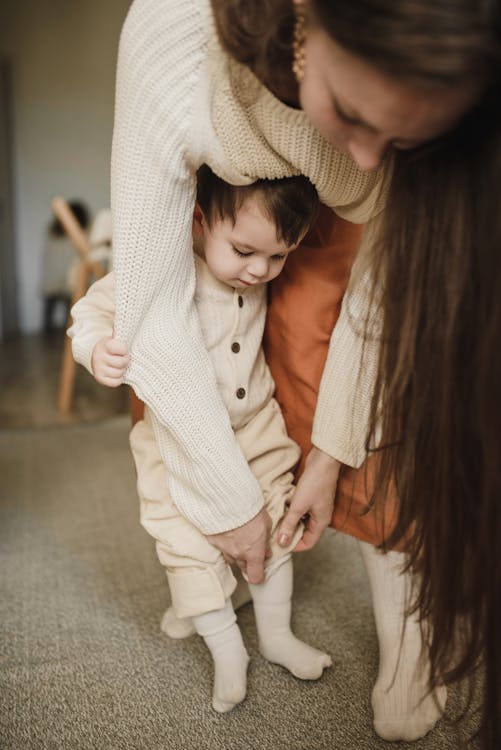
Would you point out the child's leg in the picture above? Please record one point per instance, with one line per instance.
(182, 627)
(272, 607)
(200, 581)
(176, 627)
(272, 455)
(402, 708)
(199, 578)
(220, 632)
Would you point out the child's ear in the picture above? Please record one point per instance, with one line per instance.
(198, 221)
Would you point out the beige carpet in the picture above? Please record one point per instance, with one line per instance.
(83, 662)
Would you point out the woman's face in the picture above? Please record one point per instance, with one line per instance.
(363, 112)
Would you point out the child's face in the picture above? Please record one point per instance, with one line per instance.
(247, 252)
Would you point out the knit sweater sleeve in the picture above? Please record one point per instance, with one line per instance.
(161, 58)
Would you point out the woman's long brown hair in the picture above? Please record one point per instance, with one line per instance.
(437, 265)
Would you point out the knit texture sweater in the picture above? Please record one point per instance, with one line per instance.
(180, 102)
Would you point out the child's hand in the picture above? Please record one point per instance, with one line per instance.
(109, 362)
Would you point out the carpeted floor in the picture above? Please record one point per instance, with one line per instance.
(83, 662)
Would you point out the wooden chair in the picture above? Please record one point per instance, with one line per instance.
(87, 269)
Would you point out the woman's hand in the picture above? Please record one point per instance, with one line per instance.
(248, 546)
(314, 496)
(109, 362)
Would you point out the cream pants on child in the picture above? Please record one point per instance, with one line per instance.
(199, 578)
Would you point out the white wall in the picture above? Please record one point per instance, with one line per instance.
(64, 57)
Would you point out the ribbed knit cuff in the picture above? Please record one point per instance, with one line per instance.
(324, 438)
(83, 346)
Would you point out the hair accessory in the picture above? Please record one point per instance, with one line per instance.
(299, 61)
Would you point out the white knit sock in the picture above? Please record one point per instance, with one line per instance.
(403, 708)
(176, 627)
(272, 608)
(241, 595)
(221, 633)
(182, 627)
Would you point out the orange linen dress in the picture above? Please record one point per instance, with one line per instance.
(305, 302)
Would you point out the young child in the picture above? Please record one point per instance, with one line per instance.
(245, 235)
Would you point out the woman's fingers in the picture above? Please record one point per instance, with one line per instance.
(311, 535)
(314, 498)
(314, 526)
(289, 524)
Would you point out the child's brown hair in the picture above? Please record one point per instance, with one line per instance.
(291, 202)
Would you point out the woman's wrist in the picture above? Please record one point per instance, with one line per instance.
(323, 461)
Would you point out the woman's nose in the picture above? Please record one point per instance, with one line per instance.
(368, 152)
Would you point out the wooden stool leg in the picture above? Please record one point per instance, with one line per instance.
(66, 380)
(68, 364)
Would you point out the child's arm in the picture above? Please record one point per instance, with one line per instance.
(92, 343)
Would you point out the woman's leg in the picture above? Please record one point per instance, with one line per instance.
(403, 707)
(272, 609)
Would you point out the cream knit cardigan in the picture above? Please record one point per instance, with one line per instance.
(180, 102)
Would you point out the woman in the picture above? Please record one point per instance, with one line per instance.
(436, 261)
(182, 100)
